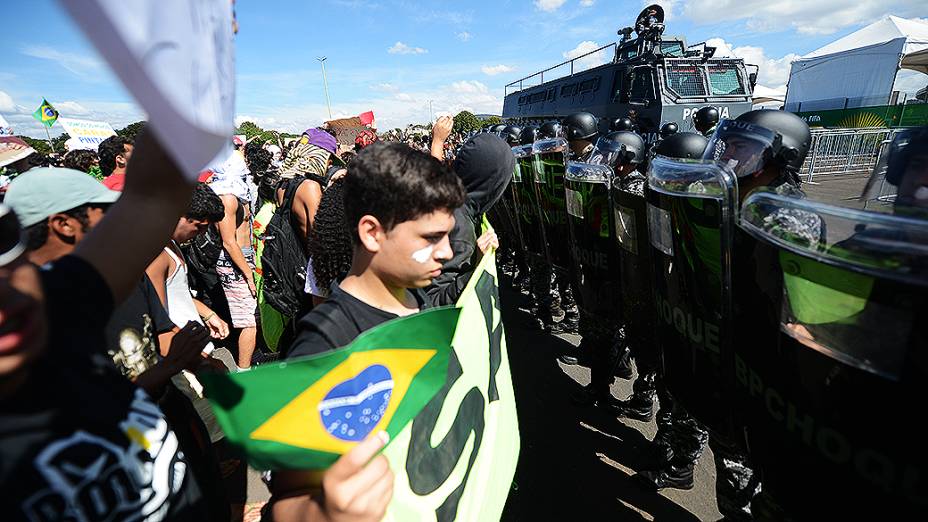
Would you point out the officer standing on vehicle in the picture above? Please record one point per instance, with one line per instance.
(705, 120)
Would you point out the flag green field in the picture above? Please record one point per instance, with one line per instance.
(46, 114)
(305, 413)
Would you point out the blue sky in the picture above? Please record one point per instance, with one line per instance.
(392, 57)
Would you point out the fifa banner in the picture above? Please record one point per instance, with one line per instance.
(86, 134)
(446, 370)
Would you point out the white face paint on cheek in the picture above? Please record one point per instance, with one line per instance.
(423, 255)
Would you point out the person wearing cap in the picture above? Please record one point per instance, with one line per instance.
(57, 207)
(63, 403)
(114, 152)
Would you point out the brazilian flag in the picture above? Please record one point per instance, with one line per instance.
(305, 413)
(46, 114)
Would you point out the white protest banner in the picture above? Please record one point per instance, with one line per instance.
(5, 128)
(86, 134)
(176, 58)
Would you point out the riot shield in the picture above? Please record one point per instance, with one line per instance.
(633, 258)
(526, 201)
(833, 408)
(549, 164)
(586, 191)
(691, 220)
(506, 213)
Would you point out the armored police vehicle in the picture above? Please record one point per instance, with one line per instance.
(650, 79)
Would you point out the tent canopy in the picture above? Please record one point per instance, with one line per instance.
(859, 69)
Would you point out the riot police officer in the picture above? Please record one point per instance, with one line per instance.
(763, 148)
(624, 153)
(622, 124)
(705, 120)
(530, 134)
(511, 134)
(550, 129)
(680, 439)
(669, 129)
(581, 129)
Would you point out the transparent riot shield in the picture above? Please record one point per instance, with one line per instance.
(691, 208)
(505, 214)
(633, 257)
(586, 190)
(550, 163)
(525, 194)
(833, 407)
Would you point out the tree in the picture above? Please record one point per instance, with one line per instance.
(249, 129)
(132, 130)
(39, 145)
(465, 122)
(492, 120)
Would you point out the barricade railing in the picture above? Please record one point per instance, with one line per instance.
(836, 152)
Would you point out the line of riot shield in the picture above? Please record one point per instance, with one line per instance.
(691, 209)
(506, 213)
(586, 191)
(550, 164)
(832, 406)
(633, 256)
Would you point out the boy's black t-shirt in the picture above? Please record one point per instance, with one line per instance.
(338, 321)
(77, 440)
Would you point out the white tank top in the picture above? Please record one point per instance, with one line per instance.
(180, 303)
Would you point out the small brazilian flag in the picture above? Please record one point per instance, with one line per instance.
(305, 413)
(46, 114)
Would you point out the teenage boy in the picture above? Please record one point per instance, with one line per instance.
(399, 206)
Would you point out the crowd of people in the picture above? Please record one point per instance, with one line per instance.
(124, 281)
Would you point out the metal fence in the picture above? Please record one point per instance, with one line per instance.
(844, 151)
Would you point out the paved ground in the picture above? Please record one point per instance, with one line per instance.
(576, 462)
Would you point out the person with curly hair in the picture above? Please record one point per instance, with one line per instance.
(329, 244)
(84, 160)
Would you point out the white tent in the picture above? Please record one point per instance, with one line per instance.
(767, 95)
(859, 69)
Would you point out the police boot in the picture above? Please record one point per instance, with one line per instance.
(623, 366)
(640, 407)
(677, 475)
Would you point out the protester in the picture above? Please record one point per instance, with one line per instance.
(84, 160)
(330, 247)
(484, 165)
(114, 152)
(235, 261)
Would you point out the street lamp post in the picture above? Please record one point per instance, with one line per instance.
(430, 112)
(325, 83)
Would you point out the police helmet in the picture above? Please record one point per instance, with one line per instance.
(498, 128)
(682, 145)
(620, 148)
(901, 176)
(551, 129)
(706, 118)
(581, 126)
(622, 124)
(529, 135)
(511, 134)
(795, 137)
(669, 129)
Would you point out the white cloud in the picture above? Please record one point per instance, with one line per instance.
(87, 67)
(6, 103)
(909, 82)
(590, 61)
(71, 108)
(493, 70)
(469, 87)
(774, 72)
(805, 17)
(549, 5)
(464, 36)
(587, 3)
(401, 48)
(384, 87)
(403, 96)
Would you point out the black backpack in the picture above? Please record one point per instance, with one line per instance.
(283, 261)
